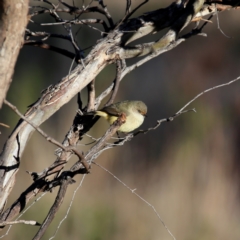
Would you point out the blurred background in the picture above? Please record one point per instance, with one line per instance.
(188, 169)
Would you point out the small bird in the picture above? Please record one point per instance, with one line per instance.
(135, 112)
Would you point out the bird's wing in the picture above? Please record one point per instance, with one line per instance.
(111, 110)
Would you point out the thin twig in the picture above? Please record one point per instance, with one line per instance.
(76, 47)
(69, 207)
(129, 136)
(58, 201)
(43, 45)
(27, 222)
(75, 10)
(104, 94)
(120, 65)
(218, 23)
(22, 201)
(4, 125)
(134, 10)
(46, 35)
(181, 111)
(54, 168)
(25, 210)
(48, 138)
(107, 14)
(208, 90)
(128, 6)
(127, 16)
(78, 51)
(83, 21)
(134, 192)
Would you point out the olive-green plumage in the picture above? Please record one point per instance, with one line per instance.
(135, 112)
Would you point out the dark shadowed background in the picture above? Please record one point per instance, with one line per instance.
(187, 169)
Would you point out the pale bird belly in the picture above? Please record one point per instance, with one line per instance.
(131, 123)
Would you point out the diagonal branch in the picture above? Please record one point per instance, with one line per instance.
(46, 46)
(57, 203)
(208, 90)
(75, 10)
(48, 138)
(121, 64)
(80, 22)
(100, 144)
(134, 10)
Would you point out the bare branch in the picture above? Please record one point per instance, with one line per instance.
(134, 10)
(58, 201)
(27, 222)
(134, 192)
(91, 96)
(121, 64)
(24, 198)
(69, 208)
(129, 136)
(75, 10)
(45, 35)
(43, 45)
(104, 94)
(90, 155)
(48, 138)
(128, 7)
(38, 186)
(107, 14)
(206, 91)
(83, 22)
(4, 125)
(218, 23)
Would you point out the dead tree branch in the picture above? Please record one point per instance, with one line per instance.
(58, 201)
(112, 48)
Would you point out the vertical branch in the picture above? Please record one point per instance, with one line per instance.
(133, 11)
(13, 21)
(121, 64)
(91, 96)
(108, 15)
(128, 7)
